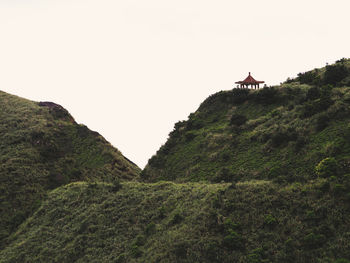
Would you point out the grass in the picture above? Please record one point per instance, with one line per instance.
(42, 148)
(276, 135)
(251, 176)
(192, 222)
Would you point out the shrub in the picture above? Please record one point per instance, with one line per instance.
(238, 119)
(156, 161)
(339, 189)
(212, 249)
(224, 174)
(309, 77)
(342, 260)
(324, 187)
(322, 122)
(313, 93)
(194, 123)
(281, 136)
(256, 256)
(180, 249)
(190, 136)
(312, 240)
(326, 167)
(150, 228)
(316, 106)
(267, 95)
(335, 73)
(240, 95)
(270, 220)
(177, 218)
(300, 143)
(116, 185)
(136, 251)
(230, 225)
(233, 240)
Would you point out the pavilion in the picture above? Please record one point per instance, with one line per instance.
(249, 81)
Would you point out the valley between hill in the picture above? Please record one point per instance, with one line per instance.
(251, 176)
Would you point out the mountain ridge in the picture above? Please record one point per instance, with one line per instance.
(41, 148)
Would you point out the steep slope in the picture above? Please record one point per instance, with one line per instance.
(276, 133)
(256, 221)
(41, 148)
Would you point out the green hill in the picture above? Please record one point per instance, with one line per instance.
(252, 176)
(278, 133)
(256, 221)
(41, 148)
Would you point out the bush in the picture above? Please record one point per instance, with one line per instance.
(313, 93)
(322, 122)
(300, 143)
(281, 136)
(194, 123)
(316, 106)
(116, 185)
(150, 228)
(342, 260)
(313, 241)
(177, 218)
(267, 95)
(327, 167)
(233, 240)
(309, 77)
(180, 249)
(325, 187)
(224, 174)
(270, 220)
(238, 119)
(156, 161)
(190, 136)
(240, 95)
(335, 73)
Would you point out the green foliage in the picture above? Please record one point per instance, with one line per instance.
(282, 136)
(97, 224)
(292, 127)
(309, 77)
(274, 208)
(312, 241)
(270, 220)
(335, 73)
(238, 119)
(342, 260)
(313, 93)
(322, 122)
(233, 240)
(267, 95)
(41, 148)
(327, 167)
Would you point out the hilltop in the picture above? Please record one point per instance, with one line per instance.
(277, 133)
(41, 148)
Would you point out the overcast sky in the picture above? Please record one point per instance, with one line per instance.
(131, 69)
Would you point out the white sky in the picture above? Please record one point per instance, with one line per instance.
(131, 69)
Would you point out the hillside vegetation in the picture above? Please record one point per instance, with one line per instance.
(252, 176)
(277, 133)
(41, 148)
(256, 221)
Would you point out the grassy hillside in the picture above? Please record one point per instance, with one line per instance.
(277, 133)
(252, 176)
(255, 221)
(41, 148)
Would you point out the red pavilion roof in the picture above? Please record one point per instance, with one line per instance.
(249, 81)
